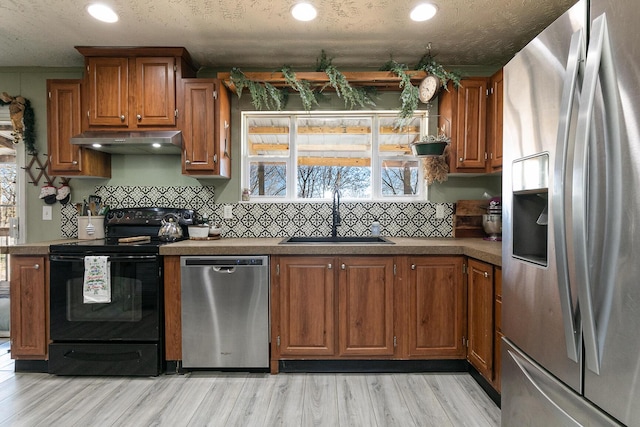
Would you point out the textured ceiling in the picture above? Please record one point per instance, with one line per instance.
(261, 34)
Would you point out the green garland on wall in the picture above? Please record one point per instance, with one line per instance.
(265, 96)
(29, 120)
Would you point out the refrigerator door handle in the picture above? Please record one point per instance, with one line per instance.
(570, 317)
(599, 67)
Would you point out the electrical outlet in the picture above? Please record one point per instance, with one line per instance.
(47, 213)
(228, 212)
(439, 211)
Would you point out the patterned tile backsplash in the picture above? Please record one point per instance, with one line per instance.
(254, 219)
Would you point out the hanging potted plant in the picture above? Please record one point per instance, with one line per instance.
(435, 141)
(433, 149)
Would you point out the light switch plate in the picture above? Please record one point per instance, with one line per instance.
(47, 213)
(439, 211)
(228, 212)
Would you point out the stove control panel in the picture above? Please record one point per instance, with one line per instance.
(149, 216)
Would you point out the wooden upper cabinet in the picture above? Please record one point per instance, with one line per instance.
(494, 128)
(108, 91)
(366, 299)
(471, 119)
(205, 124)
(466, 108)
(155, 93)
(64, 119)
(480, 312)
(29, 307)
(149, 81)
(436, 307)
(133, 88)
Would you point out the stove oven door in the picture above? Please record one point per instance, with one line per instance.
(123, 336)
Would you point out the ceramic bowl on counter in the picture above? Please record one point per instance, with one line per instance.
(198, 231)
(214, 231)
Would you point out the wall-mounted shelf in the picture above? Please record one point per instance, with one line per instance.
(381, 80)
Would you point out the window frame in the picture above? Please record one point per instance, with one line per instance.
(291, 160)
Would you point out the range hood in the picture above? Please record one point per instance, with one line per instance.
(144, 142)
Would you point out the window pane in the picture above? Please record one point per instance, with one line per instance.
(400, 177)
(268, 179)
(319, 181)
(395, 141)
(334, 151)
(268, 136)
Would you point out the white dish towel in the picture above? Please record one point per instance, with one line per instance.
(96, 288)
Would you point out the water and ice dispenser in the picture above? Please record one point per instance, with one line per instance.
(530, 208)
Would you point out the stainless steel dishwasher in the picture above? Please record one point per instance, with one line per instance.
(225, 311)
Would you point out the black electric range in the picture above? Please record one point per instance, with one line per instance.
(121, 333)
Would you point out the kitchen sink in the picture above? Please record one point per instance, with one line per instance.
(338, 239)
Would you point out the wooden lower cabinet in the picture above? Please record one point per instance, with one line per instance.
(481, 296)
(497, 344)
(365, 306)
(29, 307)
(304, 313)
(332, 307)
(172, 309)
(437, 308)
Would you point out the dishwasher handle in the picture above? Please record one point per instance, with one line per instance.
(229, 269)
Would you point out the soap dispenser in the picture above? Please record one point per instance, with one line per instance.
(375, 228)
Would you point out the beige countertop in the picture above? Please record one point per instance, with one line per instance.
(483, 250)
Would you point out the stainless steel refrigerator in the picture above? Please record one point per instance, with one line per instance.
(571, 222)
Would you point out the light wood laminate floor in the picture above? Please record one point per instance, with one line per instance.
(243, 399)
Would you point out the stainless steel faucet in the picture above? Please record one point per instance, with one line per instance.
(335, 212)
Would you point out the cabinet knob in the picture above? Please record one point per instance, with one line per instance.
(122, 118)
(139, 117)
(329, 266)
(413, 266)
(36, 267)
(188, 162)
(486, 274)
(75, 162)
(461, 159)
(344, 267)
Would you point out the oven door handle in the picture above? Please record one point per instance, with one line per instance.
(111, 257)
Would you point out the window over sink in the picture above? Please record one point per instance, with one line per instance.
(291, 156)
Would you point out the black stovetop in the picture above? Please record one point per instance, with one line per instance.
(130, 222)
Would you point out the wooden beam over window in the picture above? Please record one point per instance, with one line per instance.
(333, 161)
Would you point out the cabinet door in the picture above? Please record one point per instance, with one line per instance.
(480, 309)
(198, 125)
(306, 306)
(29, 307)
(470, 122)
(108, 92)
(64, 120)
(437, 307)
(494, 131)
(365, 313)
(155, 92)
(497, 344)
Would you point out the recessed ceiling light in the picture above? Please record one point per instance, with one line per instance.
(156, 145)
(102, 12)
(304, 12)
(423, 12)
